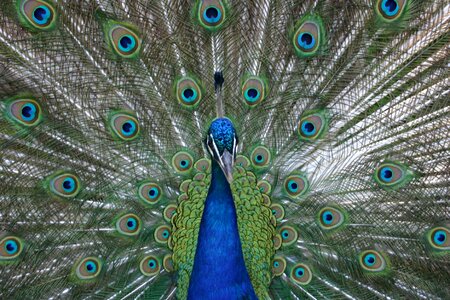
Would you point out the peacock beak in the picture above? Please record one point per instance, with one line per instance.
(226, 159)
(226, 163)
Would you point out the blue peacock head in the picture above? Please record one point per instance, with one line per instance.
(221, 143)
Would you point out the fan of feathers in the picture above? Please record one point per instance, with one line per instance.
(224, 149)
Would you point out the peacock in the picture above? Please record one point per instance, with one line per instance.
(224, 149)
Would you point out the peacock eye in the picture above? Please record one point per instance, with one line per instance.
(308, 37)
(202, 165)
(188, 92)
(296, 185)
(26, 112)
(129, 225)
(162, 234)
(242, 161)
(392, 175)
(288, 235)
(182, 162)
(211, 14)
(150, 266)
(149, 192)
(66, 185)
(124, 41)
(301, 274)
(39, 14)
(260, 157)
(390, 10)
(88, 268)
(277, 241)
(312, 126)
(10, 248)
(169, 212)
(438, 238)
(278, 266)
(372, 261)
(124, 126)
(168, 263)
(330, 218)
(277, 211)
(264, 187)
(253, 91)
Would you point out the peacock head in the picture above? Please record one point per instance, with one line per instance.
(221, 143)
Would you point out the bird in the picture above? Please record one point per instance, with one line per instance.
(224, 149)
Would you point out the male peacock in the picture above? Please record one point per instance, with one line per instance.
(224, 149)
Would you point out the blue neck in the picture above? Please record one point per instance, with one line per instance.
(219, 270)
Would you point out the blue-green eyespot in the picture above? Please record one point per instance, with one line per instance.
(390, 10)
(372, 261)
(150, 266)
(392, 175)
(301, 274)
(65, 184)
(149, 192)
(182, 162)
(211, 14)
(10, 247)
(88, 268)
(37, 14)
(129, 225)
(309, 37)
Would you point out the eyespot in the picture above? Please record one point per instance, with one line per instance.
(288, 235)
(88, 268)
(129, 225)
(372, 261)
(392, 175)
(150, 266)
(149, 192)
(330, 218)
(264, 187)
(277, 211)
(312, 125)
(438, 238)
(260, 157)
(309, 36)
(278, 266)
(390, 10)
(26, 112)
(162, 234)
(188, 92)
(296, 185)
(169, 212)
(253, 91)
(301, 274)
(168, 263)
(203, 165)
(125, 42)
(277, 241)
(10, 248)
(66, 185)
(182, 162)
(124, 126)
(242, 161)
(211, 14)
(37, 14)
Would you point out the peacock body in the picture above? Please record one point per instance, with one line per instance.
(224, 149)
